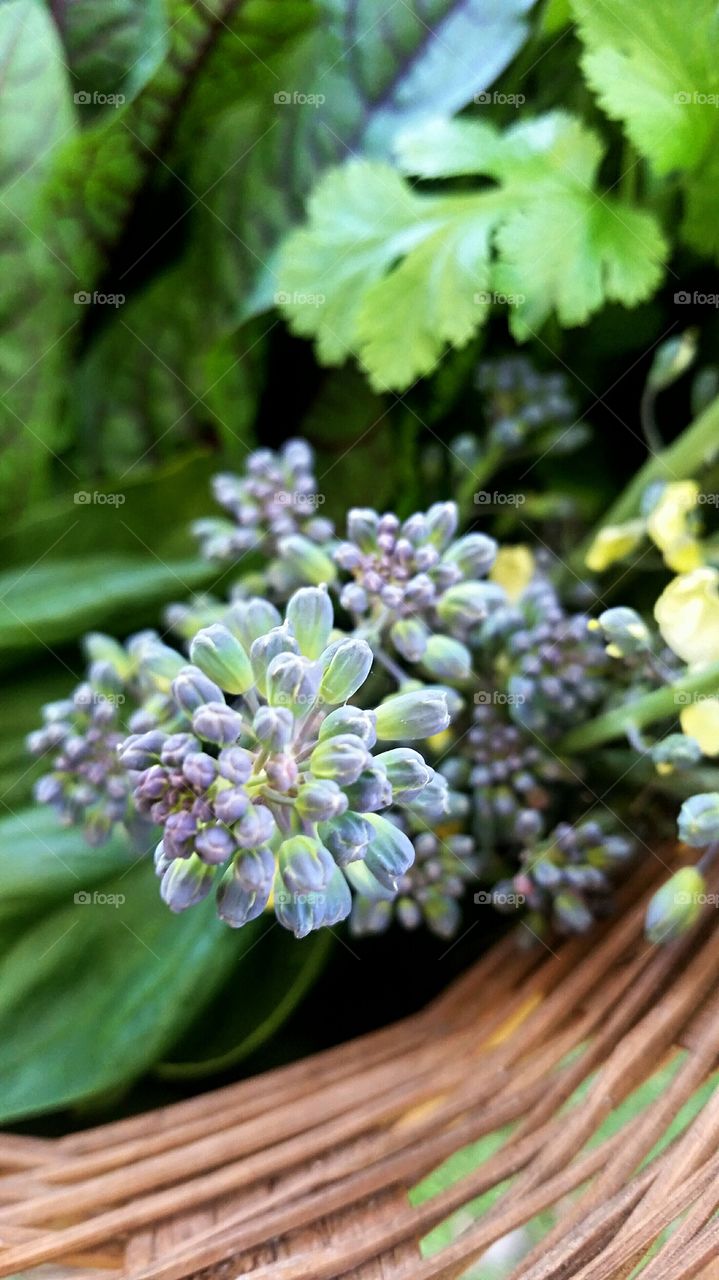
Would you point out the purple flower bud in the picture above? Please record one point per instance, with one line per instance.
(180, 832)
(214, 844)
(186, 882)
(218, 723)
(177, 747)
(372, 791)
(282, 772)
(274, 727)
(192, 689)
(235, 764)
(200, 769)
(230, 804)
(256, 828)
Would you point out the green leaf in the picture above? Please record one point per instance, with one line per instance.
(571, 252)
(646, 62)
(96, 991)
(36, 286)
(49, 603)
(42, 862)
(111, 49)
(392, 276)
(244, 1016)
(348, 89)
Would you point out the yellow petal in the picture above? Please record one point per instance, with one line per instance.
(614, 542)
(669, 526)
(513, 570)
(687, 613)
(700, 720)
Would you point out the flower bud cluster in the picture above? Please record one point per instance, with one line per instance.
(414, 583)
(126, 687)
(555, 668)
(568, 877)
(275, 498)
(429, 893)
(522, 403)
(271, 790)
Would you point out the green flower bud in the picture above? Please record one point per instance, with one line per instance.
(676, 752)
(348, 719)
(320, 800)
(676, 907)
(371, 791)
(267, 647)
(101, 648)
(409, 637)
(474, 554)
(390, 853)
(250, 619)
(442, 521)
(191, 689)
(304, 912)
(307, 560)
(626, 632)
(217, 652)
(447, 659)
(310, 615)
(342, 758)
(346, 837)
(292, 682)
(699, 819)
(420, 714)
(468, 603)
(161, 662)
(346, 670)
(366, 884)
(186, 882)
(362, 527)
(305, 865)
(407, 771)
(244, 890)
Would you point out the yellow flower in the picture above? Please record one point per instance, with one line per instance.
(700, 720)
(513, 570)
(687, 613)
(669, 527)
(614, 542)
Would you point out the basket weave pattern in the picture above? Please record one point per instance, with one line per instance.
(303, 1173)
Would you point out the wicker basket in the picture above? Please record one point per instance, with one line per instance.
(303, 1173)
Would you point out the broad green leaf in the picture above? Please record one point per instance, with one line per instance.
(46, 604)
(42, 862)
(97, 990)
(655, 67)
(112, 49)
(245, 1015)
(391, 277)
(36, 285)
